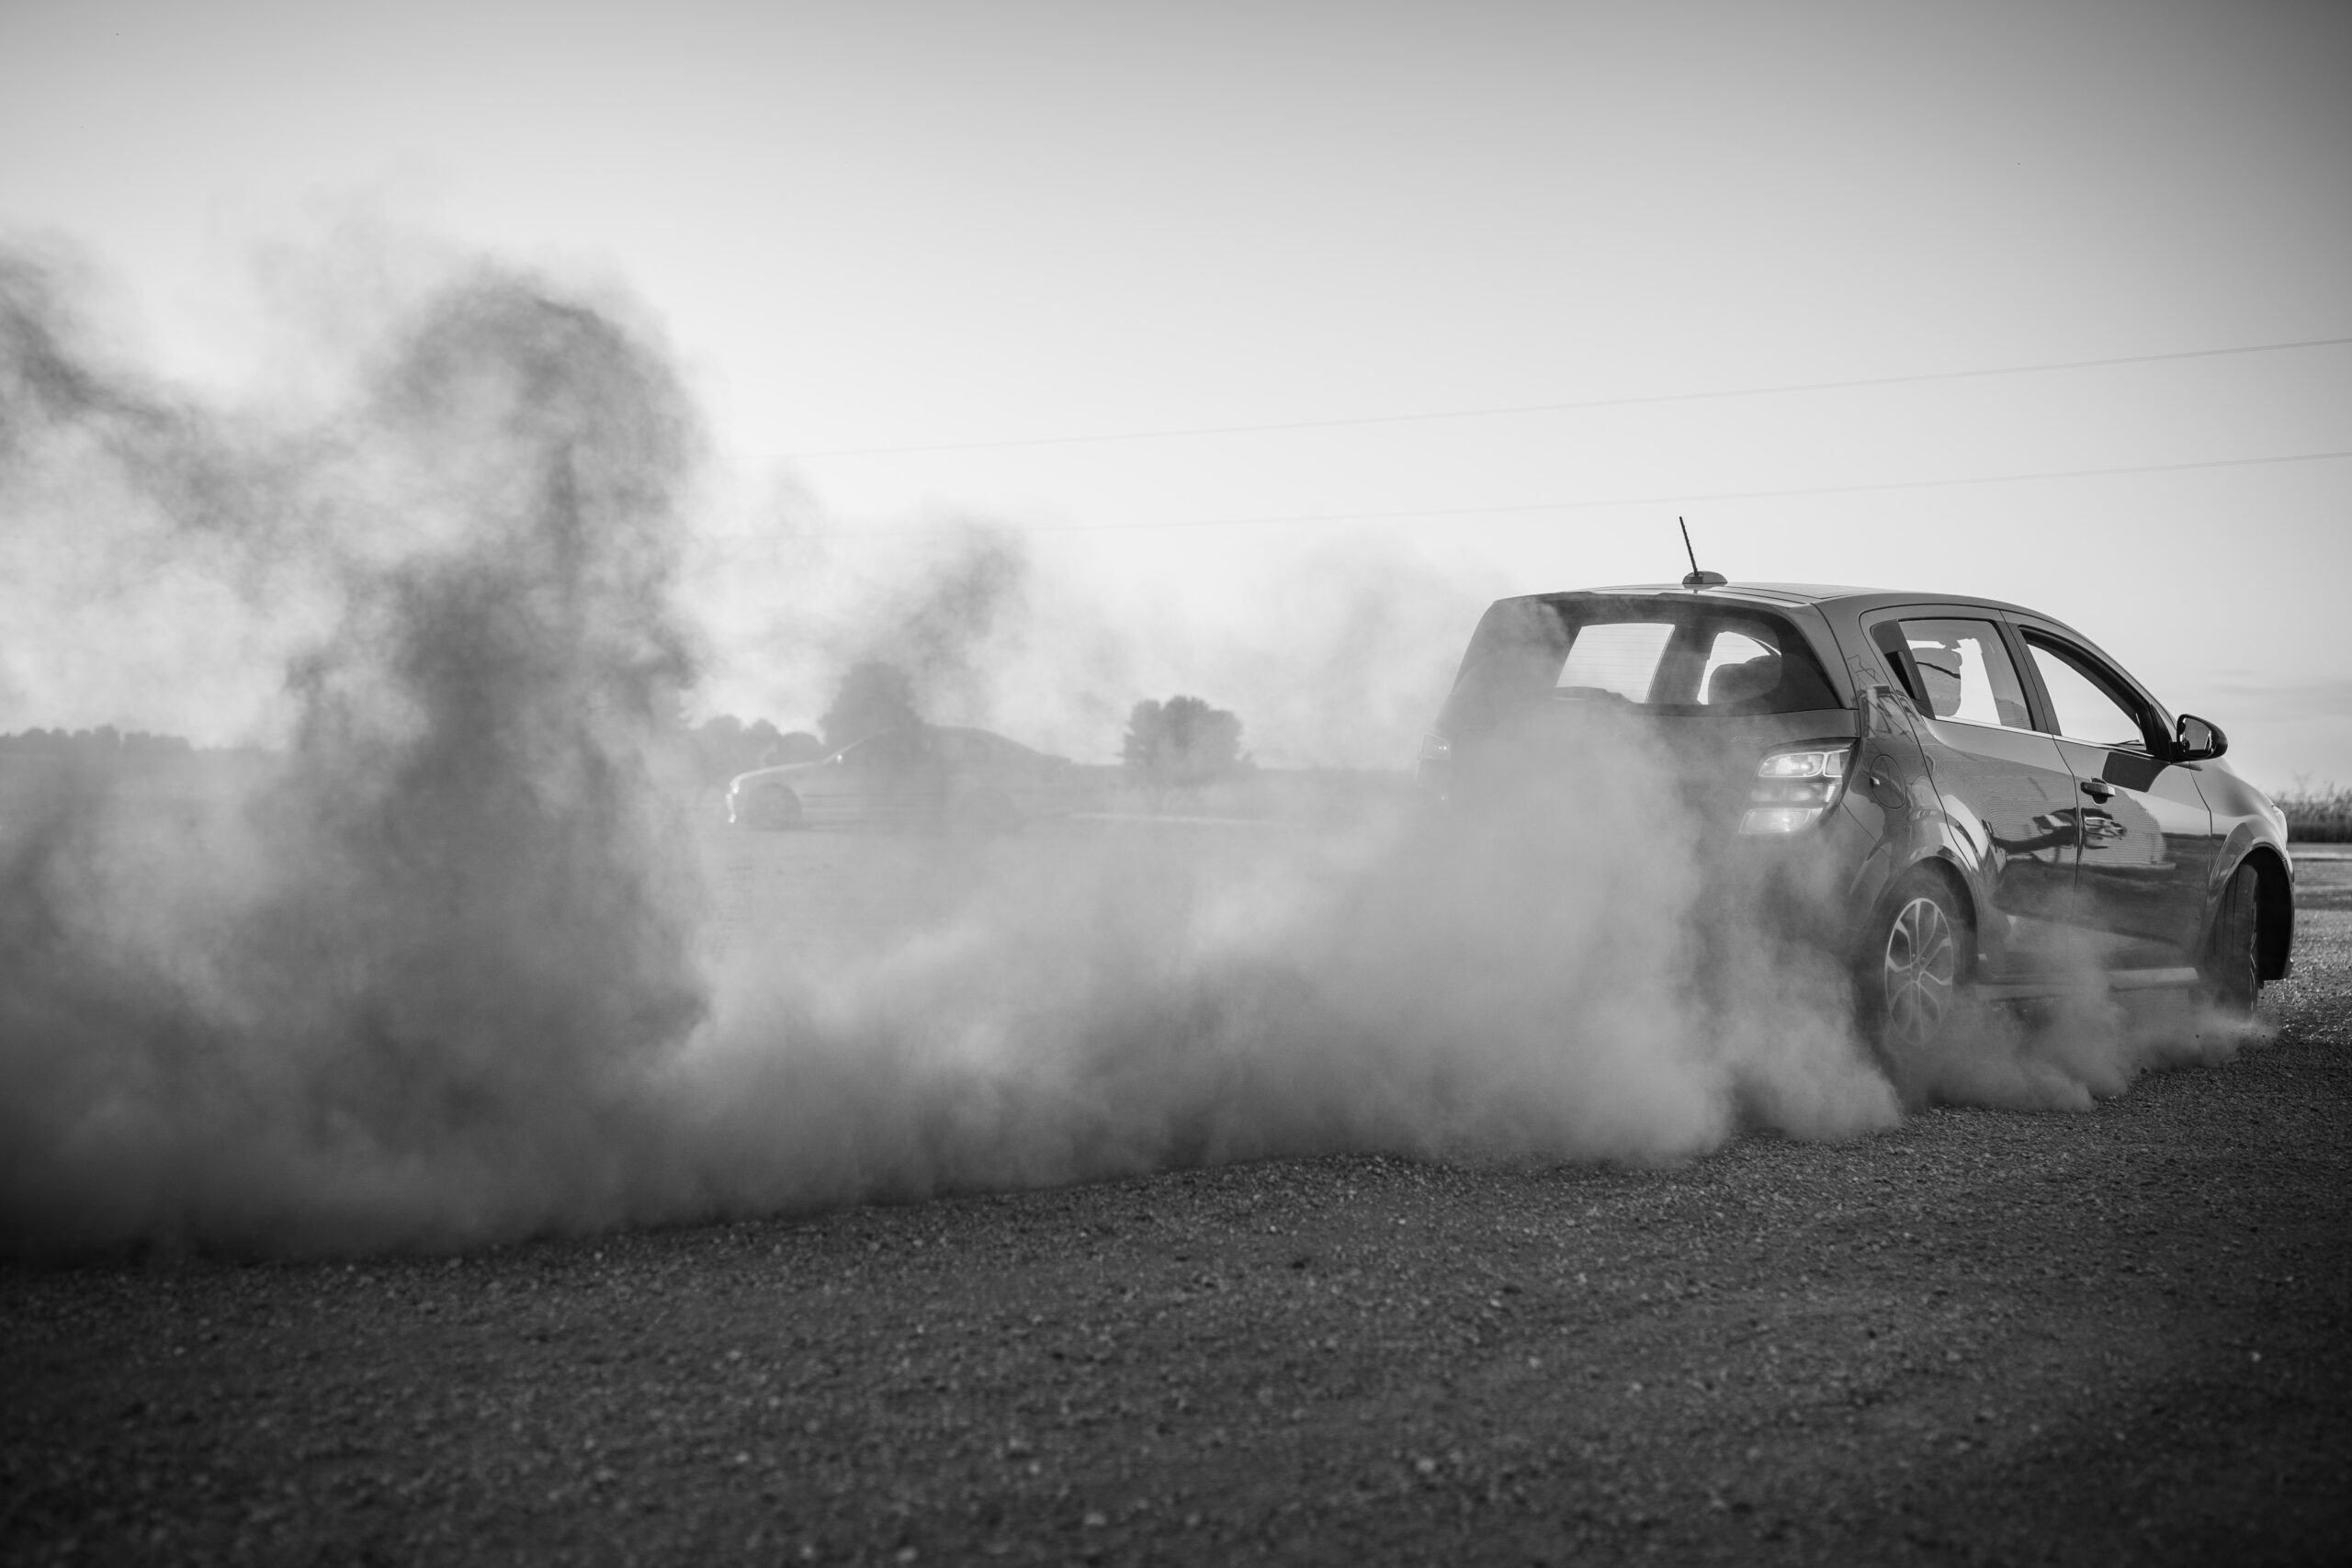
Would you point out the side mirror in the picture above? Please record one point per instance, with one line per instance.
(2197, 741)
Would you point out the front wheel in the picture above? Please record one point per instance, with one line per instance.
(770, 806)
(1914, 973)
(2231, 972)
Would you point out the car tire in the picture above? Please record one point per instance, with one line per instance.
(2231, 972)
(1914, 973)
(771, 807)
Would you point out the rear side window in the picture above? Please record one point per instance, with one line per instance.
(1616, 658)
(1677, 656)
(1960, 670)
(895, 749)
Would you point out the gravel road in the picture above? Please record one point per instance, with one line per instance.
(2118, 1335)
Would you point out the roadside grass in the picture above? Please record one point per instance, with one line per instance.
(2317, 815)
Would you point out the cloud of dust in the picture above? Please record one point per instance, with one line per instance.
(402, 980)
(2063, 1052)
(1333, 657)
(459, 961)
(1526, 984)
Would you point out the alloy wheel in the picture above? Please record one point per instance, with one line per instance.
(1918, 975)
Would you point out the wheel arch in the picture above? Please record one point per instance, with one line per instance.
(2274, 908)
(773, 804)
(1941, 869)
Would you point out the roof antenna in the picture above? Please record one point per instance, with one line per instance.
(1696, 578)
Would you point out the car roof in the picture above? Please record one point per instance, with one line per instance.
(1818, 594)
(1001, 742)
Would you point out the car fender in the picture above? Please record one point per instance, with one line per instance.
(1946, 845)
(2246, 845)
(1895, 799)
(1957, 879)
(2253, 830)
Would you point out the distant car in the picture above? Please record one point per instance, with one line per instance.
(934, 776)
(1970, 795)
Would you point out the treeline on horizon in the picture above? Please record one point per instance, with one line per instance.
(104, 741)
(2321, 814)
(1183, 741)
(722, 746)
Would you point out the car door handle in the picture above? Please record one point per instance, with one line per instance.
(2098, 789)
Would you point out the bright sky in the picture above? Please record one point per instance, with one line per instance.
(971, 229)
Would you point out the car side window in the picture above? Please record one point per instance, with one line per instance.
(1965, 673)
(1617, 657)
(2081, 699)
(1738, 669)
(897, 749)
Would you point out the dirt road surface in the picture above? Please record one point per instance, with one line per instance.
(2123, 1336)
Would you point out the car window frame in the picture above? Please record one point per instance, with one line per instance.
(1906, 680)
(2155, 723)
(1474, 702)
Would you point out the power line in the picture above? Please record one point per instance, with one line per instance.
(1775, 390)
(1668, 498)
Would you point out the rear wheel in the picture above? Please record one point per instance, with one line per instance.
(1914, 972)
(2232, 971)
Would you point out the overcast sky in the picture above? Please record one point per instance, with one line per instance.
(978, 228)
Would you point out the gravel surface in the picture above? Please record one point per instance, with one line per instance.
(2120, 1336)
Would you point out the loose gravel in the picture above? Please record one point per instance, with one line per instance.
(2118, 1335)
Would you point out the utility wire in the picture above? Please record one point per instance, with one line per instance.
(1666, 498)
(1582, 403)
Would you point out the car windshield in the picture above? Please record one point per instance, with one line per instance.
(1682, 657)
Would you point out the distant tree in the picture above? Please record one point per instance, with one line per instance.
(724, 746)
(875, 697)
(1180, 744)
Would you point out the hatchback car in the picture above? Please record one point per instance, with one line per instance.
(1970, 796)
(934, 776)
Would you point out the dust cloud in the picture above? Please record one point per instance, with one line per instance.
(1520, 987)
(2067, 1052)
(398, 979)
(456, 954)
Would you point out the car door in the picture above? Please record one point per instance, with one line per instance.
(968, 767)
(906, 778)
(2003, 783)
(2148, 843)
(832, 792)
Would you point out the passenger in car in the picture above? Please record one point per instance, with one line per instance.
(1744, 681)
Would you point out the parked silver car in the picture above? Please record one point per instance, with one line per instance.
(933, 775)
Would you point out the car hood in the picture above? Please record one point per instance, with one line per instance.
(783, 772)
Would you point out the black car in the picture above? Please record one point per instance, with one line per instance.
(1969, 796)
